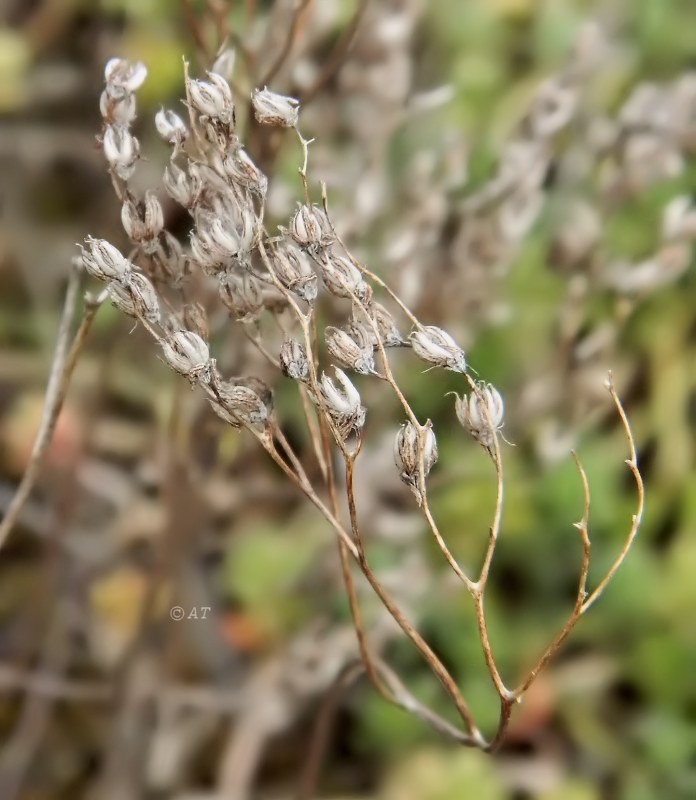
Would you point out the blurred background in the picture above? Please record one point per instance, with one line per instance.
(550, 270)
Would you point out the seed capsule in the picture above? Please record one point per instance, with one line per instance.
(171, 127)
(104, 261)
(355, 351)
(306, 227)
(293, 360)
(275, 109)
(344, 406)
(137, 298)
(438, 348)
(187, 354)
(212, 98)
(481, 413)
(121, 150)
(407, 447)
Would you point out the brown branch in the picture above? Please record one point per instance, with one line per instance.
(322, 729)
(632, 464)
(62, 369)
(339, 54)
(433, 662)
(583, 603)
(298, 13)
(196, 31)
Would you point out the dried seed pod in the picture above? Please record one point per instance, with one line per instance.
(481, 413)
(171, 127)
(293, 360)
(241, 170)
(437, 347)
(356, 353)
(184, 187)
(275, 109)
(143, 220)
(187, 354)
(343, 279)
(117, 110)
(343, 404)
(104, 261)
(388, 332)
(217, 242)
(137, 298)
(306, 227)
(121, 150)
(172, 255)
(295, 273)
(196, 320)
(246, 402)
(212, 98)
(123, 77)
(242, 296)
(224, 64)
(408, 444)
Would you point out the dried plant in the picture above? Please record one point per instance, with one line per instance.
(335, 329)
(285, 276)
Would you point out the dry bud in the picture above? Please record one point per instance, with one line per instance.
(215, 244)
(184, 187)
(171, 127)
(356, 353)
(481, 413)
(295, 273)
(343, 404)
(388, 331)
(275, 109)
(407, 449)
(122, 77)
(171, 253)
(241, 295)
(306, 227)
(137, 298)
(293, 360)
(143, 220)
(196, 320)
(187, 354)
(212, 98)
(239, 404)
(241, 170)
(438, 348)
(104, 261)
(224, 64)
(343, 279)
(121, 150)
(117, 110)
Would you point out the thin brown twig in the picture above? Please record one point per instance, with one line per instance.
(338, 55)
(196, 31)
(322, 729)
(433, 662)
(297, 15)
(582, 604)
(62, 368)
(632, 464)
(218, 11)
